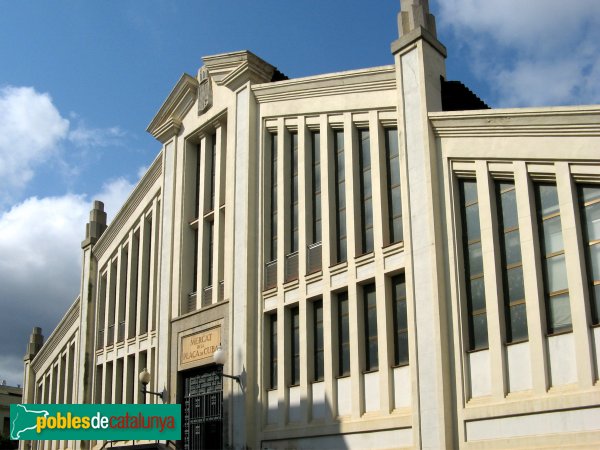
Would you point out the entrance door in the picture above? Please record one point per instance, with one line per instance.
(203, 410)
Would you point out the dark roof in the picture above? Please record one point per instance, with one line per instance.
(458, 97)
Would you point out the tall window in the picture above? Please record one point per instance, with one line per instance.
(293, 192)
(400, 320)
(512, 265)
(471, 234)
(195, 265)
(319, 346)
(393, 185)
(273, 351)
(272, 250)
(213, 159)
(366, 192)
(589, 200)
(295, 345)
(370, 318)
(210, 226)
(556, 288)
(315, 138)
(340, 195)
(343, 334)
(197, 184)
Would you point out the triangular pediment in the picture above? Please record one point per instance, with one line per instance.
(236, 68)
(167, 121)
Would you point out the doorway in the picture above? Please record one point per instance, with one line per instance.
(203, 409)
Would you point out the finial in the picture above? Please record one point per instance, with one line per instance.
(414, 14)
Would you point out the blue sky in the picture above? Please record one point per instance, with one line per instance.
(80, 81)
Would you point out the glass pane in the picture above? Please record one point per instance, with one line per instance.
(518, 322)
(512, 246)
(589, 193)
(472, 215)
(400, 313)
(402, 348)
(396, 206)
(368, 241)
(509, 210)
(399, 286)
(515, 284)
(477, 295)
(345, 360)
(372, 364)
(392, 140)
(342, 255)
(339, 139)
(556, 273)
(596, 303)
(317, 179)
(595, 261)
(372, 322)
(505, 186)
(548, 198)
(592, 221)
(475, 259)
(469, 191)
(480, 334)
(367, 191)
(560, 312)
(552, 236)
(368, 205)
(342, 223)
(394, 172)
(317, 206)
(319, 366)
(397, 229)
(341, 196)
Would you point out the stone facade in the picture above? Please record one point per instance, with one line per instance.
(384, 265)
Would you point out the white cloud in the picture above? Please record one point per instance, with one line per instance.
(537, 52)
(30, 130)
(86, 137)
(40, 265)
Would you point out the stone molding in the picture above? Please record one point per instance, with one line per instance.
(351, 82)
(552, 121)
(167, 121)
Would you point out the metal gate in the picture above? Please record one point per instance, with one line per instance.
(203, 411)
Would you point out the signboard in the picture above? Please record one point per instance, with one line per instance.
(199, 347)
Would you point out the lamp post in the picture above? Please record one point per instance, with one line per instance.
(220, 358)
(144, 378)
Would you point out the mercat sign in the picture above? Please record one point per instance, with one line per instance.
(95, 422)
(200, 347)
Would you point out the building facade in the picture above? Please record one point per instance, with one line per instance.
(385, 261)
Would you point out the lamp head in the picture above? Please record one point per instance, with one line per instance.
(219, 356)
(144, 377)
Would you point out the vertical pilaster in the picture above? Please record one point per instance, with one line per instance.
(493, 280)
(419, 59)
(574, 261)
(532, 279)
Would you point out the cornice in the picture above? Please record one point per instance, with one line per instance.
(350, 82)
(57, 336)
(234, 69)
(522, 122)
(139, 192)
(167, 121)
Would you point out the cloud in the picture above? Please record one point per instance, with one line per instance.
(30, 130)
(539, 52)
(40, 265)
(86, 137)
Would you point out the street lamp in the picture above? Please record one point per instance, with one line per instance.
(220, 358)
(145, 379)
